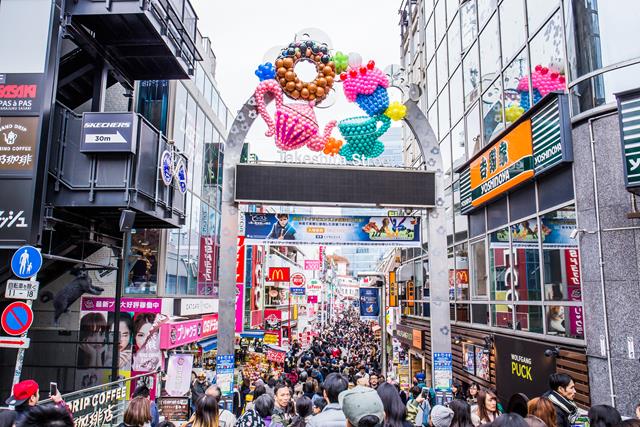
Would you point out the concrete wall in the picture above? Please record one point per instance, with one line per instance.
(621, 261)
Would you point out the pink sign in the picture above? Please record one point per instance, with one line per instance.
(175, 334)
(207, 279)
(239, 306)
(209, 325)
(276, 356)
(136, 305)
(312, 264)
(576, 316)
(312, 299)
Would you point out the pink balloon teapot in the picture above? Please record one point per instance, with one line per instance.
(295, 124)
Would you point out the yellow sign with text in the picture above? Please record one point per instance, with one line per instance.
(393, 289)
(506, 164)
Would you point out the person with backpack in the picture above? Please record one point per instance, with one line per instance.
(418, 407)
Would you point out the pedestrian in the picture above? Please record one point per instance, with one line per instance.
(304, 411)
(509, 420)
(395, 412)
(362, 407)
(25, 396)
(46, 416)
(440, 416)
(207, 413)
(373, 380)
(456, 390)
(318, 404)
(461, 413)
(166, 424)
(541, 409)
(138, 413)
(226, 418)
(418, 407)
(487, 409)
(604, 416)
(198, 387)
(281, 412)
(245, 389)
(562, 392)
(472, 394)
(331, 415)
(258, 391)
(143, 391)
(638, 411)
(7, 418)
(631, 422)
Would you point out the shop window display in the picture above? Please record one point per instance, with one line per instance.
(529, 318)
(565, 321)
(515, 76)
(526, 260)
(143, 276)
(548, 67)
(492, 111)
(500, 278)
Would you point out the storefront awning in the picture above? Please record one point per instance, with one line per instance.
(208, 345)
(252, 334)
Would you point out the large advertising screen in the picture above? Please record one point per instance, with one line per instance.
(283, 229)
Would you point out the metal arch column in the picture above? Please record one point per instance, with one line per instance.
(436, 237)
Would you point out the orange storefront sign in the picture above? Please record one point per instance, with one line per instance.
(506, 164)
(393, 289)
(417, 339)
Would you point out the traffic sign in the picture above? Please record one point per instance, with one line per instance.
(22, 289)
(16, 318)
(14, 342)
(26, 262)
(298, 280)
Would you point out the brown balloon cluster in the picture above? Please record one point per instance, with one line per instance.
(293, 87)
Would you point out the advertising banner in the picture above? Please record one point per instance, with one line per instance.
(276, 356)
(18, 140)
(442, 371)
(21, 93)
(297, 284)
(312, 264)
(99, 408)
(574, 291)
(521, 367)
(310, 229)
(239, 306)
(369, 303)
(240, 260)
(179, 374)
(393, 290)
(272, 326)
(136, 305)
(175, 334)
(209, 325)
(207, 280)
(312, 299)
(174, 408)
(108, 132)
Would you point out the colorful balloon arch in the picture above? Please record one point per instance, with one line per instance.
(295, 126)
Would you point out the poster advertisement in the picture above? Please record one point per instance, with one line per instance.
(207, 280)
(442, 371)
(574, 291)
(264, 228)
(179, 369)
(369, 303)
(482, 363)
(174, 408)
(273, 327)
(468, 358)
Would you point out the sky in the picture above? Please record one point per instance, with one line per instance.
(243, 33)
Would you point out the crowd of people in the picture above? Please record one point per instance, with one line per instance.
(336, 382)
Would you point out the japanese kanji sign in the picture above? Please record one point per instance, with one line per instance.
(18, 137)
(135, 305)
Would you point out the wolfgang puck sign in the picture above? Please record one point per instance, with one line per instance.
(522, 367)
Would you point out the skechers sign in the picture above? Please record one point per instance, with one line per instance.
(537, 142)
(109, 133)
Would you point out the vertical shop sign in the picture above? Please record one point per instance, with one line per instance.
(369, 303)
(207, 267)
(240, 261)
(574, 289)
(411, 293)
(225, 367)
(239, 306)
(18, 140)
(240, 277)
(272, 327)
(393, 289)
(179, 374)
(442, 371)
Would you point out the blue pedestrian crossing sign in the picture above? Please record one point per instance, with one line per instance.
(26, 262)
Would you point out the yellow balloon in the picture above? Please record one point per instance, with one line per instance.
(396, 111)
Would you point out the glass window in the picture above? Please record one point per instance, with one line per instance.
(516, 94)
(451, 266)
(463, 313)
(479, 269)
(497, 214)
(432, 83)
(153, 102)
(462, 271)
(471, 75)
(430, 38)
(538, 11)
(529, 318)
(499, 265)
(489, 52)
(477, 225)
(443, 111)
(485, 9)
(456, 95)
(180, 116)
(448, 211)
(433, 119)
(441, 21)
(561, 256)
(474, 141)
(458, 151)
(461, 221)
(200, 78)
(565, 321)
(215, 99)
(469, 23)
(454, 43)
(443, 66)
(480, 314)
(445, 149)
(492, 111)
(195, 162)
(190, 128)
(525, 283)
(512, 28)
(547, 59)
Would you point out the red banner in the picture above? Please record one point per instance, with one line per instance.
(207, 266)
(209, 325)
(240, 260)
(276, 356)
(574, 290)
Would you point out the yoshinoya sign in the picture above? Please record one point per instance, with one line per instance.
(97, 409)
(21, 93)
(521, 367)
(18, 140)
(109, 133)
(629, 117)
(537, 142)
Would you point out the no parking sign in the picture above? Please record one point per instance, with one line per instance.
(17, 318)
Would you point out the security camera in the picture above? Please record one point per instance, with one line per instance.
(574, 233)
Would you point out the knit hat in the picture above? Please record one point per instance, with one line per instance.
(359, 402)
(441, 416)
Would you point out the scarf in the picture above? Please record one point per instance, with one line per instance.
(567, 406)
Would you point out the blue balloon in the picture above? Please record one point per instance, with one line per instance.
(266, 71)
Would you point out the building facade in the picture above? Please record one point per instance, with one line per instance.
(521, 96)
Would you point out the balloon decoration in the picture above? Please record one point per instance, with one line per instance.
(295, 125)
(396, 111)
(341, 61)
(333, 146)
(266, 71)
(361, 134)
(543, 81)
(311, 51)
(513, 112)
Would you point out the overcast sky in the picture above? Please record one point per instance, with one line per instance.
(243, 32)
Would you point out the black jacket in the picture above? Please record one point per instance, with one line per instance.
(566, 410)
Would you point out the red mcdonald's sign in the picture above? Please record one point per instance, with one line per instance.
(278, 274)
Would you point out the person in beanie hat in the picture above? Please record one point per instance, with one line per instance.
(362, 407)
(440, 416)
